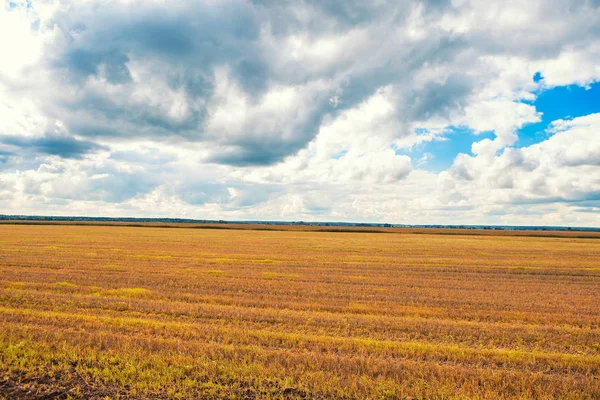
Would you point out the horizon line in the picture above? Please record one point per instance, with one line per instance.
(82, 218)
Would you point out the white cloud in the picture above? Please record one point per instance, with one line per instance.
(20, 43)
(579, 66)
(563, 170)
(233, 115)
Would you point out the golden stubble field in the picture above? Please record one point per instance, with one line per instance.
(145, 312)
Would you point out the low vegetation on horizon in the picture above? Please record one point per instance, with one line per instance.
(145, 312)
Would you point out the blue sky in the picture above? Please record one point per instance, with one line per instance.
(431, 111)
(562, 102)
(440, 154)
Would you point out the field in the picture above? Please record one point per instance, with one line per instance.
(150, 312)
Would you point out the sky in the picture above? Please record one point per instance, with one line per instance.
(401, 111)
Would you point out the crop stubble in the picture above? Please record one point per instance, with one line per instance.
(95, 311)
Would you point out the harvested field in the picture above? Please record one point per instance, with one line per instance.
(119, 311)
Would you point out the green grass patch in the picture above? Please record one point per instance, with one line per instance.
(270, 274)
(150, 257)
(213, 271)
(224, 260)
(65, 284)
(16, 285)
(113, 267)
(265, 261)
(127, 292)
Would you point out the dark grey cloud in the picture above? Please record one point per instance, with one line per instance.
(577, 198)
(92, 115)
(268, 149)
(4, 156)
(193, 35)
(354, 12)
(255, 155)
(440, 99)
(52, 144)
(82, 63)
(185, 43)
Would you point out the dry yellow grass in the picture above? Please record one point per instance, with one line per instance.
(96, 311)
